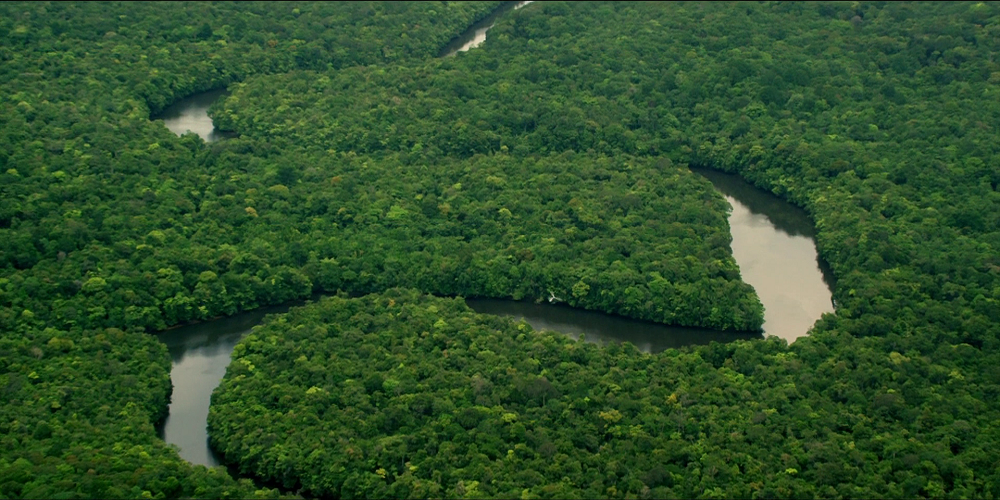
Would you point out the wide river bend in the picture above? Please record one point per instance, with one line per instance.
(773, 243)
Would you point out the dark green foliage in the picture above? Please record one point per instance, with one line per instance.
(878, 118)
(110, 224)
(616, 235)
(77, 420)
(407, 395)
(223, 234)
(874, 117)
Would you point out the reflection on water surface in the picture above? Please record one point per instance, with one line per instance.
(476, 34)
(200, 354)
(775, 247)
(191, 115)
(600, 327)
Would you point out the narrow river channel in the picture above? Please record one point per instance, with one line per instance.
(475, 35)
(200, 354)
(773, 243)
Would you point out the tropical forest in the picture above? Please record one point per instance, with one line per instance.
(499, 250)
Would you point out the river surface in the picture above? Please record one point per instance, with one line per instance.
(190, 114)
(773, 243)
(600, 327)
(200, 354)
(476, 34)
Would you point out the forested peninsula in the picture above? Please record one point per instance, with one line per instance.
(549, 162)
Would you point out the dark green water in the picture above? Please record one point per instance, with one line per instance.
(600, 327)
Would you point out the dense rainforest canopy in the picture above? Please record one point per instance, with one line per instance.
(547, 161)
(410, 396)
(89, 187)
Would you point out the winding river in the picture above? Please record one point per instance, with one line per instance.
(773, 243)
(200, 354)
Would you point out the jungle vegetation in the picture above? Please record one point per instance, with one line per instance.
(78, 160)
(361, 156)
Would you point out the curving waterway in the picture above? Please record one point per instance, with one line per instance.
(475, 35)
(200, 354)
(773, 243)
